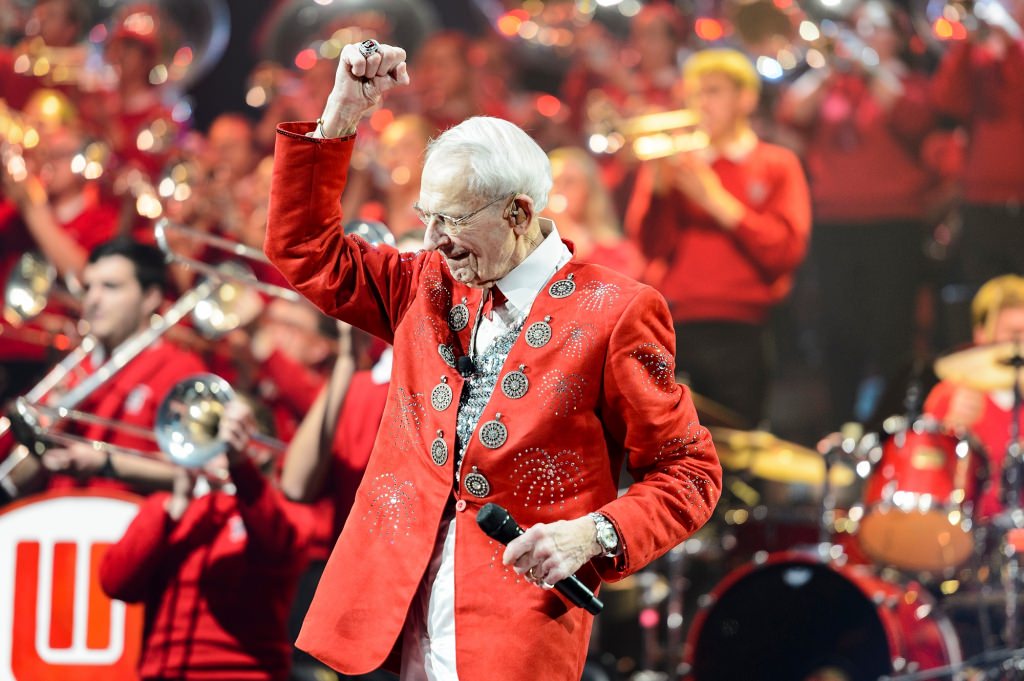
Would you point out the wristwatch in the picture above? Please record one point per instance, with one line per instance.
(607, 537)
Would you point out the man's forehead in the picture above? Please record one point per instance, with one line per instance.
(444, 185)
(110, 266)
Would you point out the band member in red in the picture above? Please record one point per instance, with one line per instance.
(998, 317)
(124, 287)
(724, 228)
(520, 377)
(216, 572)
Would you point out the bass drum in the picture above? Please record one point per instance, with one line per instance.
(794, 618)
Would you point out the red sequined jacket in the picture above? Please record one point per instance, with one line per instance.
(601, 389)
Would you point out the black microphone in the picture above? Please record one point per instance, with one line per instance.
(498, 524)
(465, 366)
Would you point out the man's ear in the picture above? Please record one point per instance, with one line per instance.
(521, 212)
(152, 299)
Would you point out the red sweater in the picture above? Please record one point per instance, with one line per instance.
(717, 274)
(992, 431)
(987, 95)
(217, 586)
(864, 161)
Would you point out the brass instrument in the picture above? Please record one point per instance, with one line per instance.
(188, 419)
(647, 136)
(164, 227)
(186, 427)
(119, 358)
(27, 288)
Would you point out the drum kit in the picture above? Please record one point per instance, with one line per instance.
(866, 559)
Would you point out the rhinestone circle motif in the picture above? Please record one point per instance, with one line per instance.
(515, 384)
(441, 396)
(563, 288)
(439, 451)
(458, 317)
(493, 434)
(477, 485)
(538, 334)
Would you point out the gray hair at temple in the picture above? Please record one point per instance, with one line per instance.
(502, 158)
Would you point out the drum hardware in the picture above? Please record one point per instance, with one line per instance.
(923, 482)
(997, 366)
(767, 457)
(991, 662)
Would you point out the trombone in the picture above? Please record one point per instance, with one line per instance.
(119, 358)
(165, 227)
(186, 428)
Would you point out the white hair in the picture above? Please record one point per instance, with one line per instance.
(501, 157)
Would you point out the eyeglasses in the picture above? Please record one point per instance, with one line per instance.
(452, 224)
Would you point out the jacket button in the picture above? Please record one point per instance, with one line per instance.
(460, 505)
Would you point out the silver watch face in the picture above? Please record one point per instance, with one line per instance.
(607, 537)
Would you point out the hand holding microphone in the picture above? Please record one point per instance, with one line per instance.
(549, 552)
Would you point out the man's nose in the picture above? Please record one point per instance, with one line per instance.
(435, 237)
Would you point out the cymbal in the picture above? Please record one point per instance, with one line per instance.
(982, 367)
(771, 458)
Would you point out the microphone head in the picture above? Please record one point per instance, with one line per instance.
(497, 523)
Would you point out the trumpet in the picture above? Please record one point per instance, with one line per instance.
(648, 136)
(186, 427)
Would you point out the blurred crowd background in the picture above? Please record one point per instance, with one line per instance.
(169, 110)
(907, 118)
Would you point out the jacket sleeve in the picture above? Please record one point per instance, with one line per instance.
(127, 569)
(274, 530)
(670, 455)
(775, 235)
(368, 286)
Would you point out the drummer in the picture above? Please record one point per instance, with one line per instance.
(997, 313)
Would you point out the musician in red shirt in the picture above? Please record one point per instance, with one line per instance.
(216, 572)
(997, 313)
(723, 228)
(58, 213)
(124, 287)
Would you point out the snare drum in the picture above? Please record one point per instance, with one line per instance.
(920, 497)
(794, 618)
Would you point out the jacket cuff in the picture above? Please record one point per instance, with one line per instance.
(298, 130)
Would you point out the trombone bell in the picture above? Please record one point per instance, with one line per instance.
(188, 420)
(27, 288)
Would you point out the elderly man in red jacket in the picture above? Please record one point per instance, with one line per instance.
(521, 377)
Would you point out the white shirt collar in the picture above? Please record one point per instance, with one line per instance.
(736, 151)
(1002, 398)
(521, 286)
